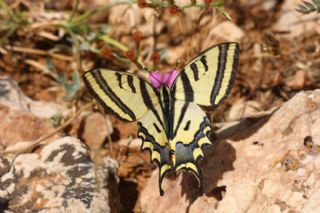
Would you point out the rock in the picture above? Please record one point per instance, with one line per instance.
(60, 178)
(265, 167)
(313, 203)
(96, 128)
(11, 95)
(228, 31)
(131, 143)
(298, 81)
(242, 109)
(24, 120)
(295, 23)
(47, 109)
(17, 125)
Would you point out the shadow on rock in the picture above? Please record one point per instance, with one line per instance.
(218, 159)
(244, 128)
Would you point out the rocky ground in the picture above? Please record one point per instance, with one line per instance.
(60, 153)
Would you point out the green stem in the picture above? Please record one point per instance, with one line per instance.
(8, 10)
(74, 10)
(114, 43)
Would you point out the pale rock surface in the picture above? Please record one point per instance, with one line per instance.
(17, 125)
(96, 129)
(294, 22)
(131, 143)
(228, 31)
(23, 119)
(242, 109)
(60, 178)
(263, 167)
(11, 95)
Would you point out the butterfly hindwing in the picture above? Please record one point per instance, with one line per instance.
(151, 131)
(191, 131)
(208, 79)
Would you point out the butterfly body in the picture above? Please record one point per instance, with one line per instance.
(170, 123)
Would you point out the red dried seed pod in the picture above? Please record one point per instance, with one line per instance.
(174, 9)
(106, 52)
(155, 57)
(137, 36)
(130, 55)
(142, 3)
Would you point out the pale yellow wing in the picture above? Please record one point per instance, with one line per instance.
(208, 79)
(122, 94)
(130, 98)
(155, 139)
(191, 132)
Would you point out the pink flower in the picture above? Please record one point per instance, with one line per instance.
(158, 79)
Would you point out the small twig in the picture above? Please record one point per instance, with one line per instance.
(110, 139)
(74, 10)
(76, 49)
(139, 64)
(39, 52)
(41, 67)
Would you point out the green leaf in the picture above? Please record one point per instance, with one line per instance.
(72, 88)
(308, 7)
(225, 13)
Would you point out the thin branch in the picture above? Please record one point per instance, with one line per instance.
(74, 10)
(39, 52)
(43, 68)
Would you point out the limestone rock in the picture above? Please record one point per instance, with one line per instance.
(271, 165)
(17, 125)
(228, 31)
(96, 129)
(11, 95)
(60, 178)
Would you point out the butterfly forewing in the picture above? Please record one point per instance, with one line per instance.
(208, 79)
(125, 95)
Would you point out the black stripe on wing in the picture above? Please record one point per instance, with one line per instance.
(187, 88)
(222, 61)
(233, 72)
(97, 77)
(109, 92)
(195, 71)
(204, 62)
(180, 119)
(130, 83)
(148, 102)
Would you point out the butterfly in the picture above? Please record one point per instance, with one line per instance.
(171, 124)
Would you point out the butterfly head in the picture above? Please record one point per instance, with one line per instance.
(159, 79)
